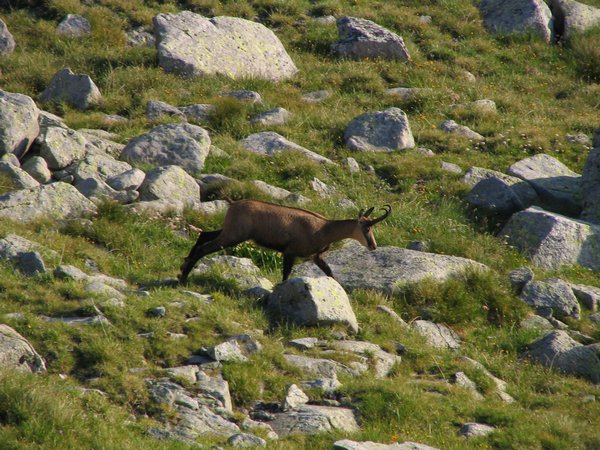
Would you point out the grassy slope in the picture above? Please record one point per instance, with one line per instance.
(542, 93)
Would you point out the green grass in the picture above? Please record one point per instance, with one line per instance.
(542, 93)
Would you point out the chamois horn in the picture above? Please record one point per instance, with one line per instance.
(387, 209)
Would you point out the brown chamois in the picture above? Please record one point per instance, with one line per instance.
(295, 232)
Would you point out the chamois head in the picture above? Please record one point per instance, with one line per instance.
(364, 232)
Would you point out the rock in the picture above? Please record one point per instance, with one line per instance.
(590, 187)
(98, 287)
(170, 183)
(7, 41)
(37, 167)
(520, 277)
(460, 379)
(381, 131)
(518, 16)
(450, 167)
(236, 348)
(73, 321)
(501, 385)
(450, 126)
(325, 368)
(269, 143)
(200, 112)
(347, 444)
(588, 295)
(325, 20)
(77, 90)
(579, 138)
(245, 440)
(387, 268)
(419, 246)
(473, 429)
(328, 386)
(155, 109)
(535, 322)
(183, 145)
(383, 362)
(437, 335)
(215, 387)
(244, 96)
(362, 39)
(560, 352)
(406, 93)
(159, 311)
(277, 116)
(552, 293)
(191, 45)
(558, 187)
(294, 398)
(280, 193)
(303, 343)
(312, 302)
(483, 106)
(522, 189)
(242, 271)
(129, 180)
(57, 201)
(316, 97)
(493, 199)
(10, 159)
(18, 123)
(551, 240)
(571, 17)
(140, 38)
(323, 190)
(12, 245)
(310, 419)
(249, 425)
(17, 353)
(101, 142)
(74, 25)
(213, 207)
(30, 263)
(60, 146)
(352, 165)
(19, 178)
(94, 165)
(390, 312)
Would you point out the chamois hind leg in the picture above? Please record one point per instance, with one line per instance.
(323, 265)
(198, 252)
(288, 263)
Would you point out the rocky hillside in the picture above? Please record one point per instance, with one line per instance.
(126, 129)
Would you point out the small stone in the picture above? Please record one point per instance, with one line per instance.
(316, 97)
(450, 167)
(159, 311)
(74, 25)
(294, 398)
(472, 429)
(277, 116)
(418, 246)
(304, 343)
(244, 440)
(244, 96)
(352, 165)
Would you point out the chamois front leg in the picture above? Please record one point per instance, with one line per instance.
(190, 261)
(323, 265)
(288, 263)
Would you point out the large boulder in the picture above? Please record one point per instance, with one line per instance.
(518, 16)
(58, 201)
(387, 268)
(552, 293)
(560, 352)
(380, 131)
(571, 16)
(170, 183)
(361, 39)
(60, 146)
(269, 143)
(76, 89)
(17, 353)
(311, 419)
(558, 187)
(7, 41)
(551, 240)
(590, 187)
(18, 123)
(192, 45)
(19, 178)
(312, 301)
(96, 165)
(494, 199)
(522, 189)
(182, 144)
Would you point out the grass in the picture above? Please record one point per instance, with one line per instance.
(542, 93)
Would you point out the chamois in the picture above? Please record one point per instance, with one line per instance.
(295, 232)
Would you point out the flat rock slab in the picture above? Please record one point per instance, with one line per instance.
(58, 201)
(551, 240)
(387, 268)
(347, 444)
(310, 419)
(192, 45)
(558, 187)
(18, 123)
(517, 16)
(17, 353)
(325, 368)
(269, 143)
(379, 131)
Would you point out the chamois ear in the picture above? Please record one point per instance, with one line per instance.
(366, 213)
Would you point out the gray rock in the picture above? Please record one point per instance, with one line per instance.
(10, 159)
(140, 38)
(406, 93)
(590, 187)
(310, 419)
(269, 143)
(191, 45)
(60, 146)
(316, 96)
(46, 119)
(101, 142)
(437, 335)
(18, 123)
(73, 321)
(393, 314)
(558, 187)
(450, 126)
(7, 41)
(571, 17)
(380, 131)
(518, 16)
(325, 20)
(74, 25)
(352, 165)
(280, 193)
(215, 387)
(588, 295)
(560, 352)
(129, 180)
(312, 302)
(17, 353)
(294, 398)
(37, 167)
(240, 270)
(212, 207)
(245, 96)
(382, 361)
(362, 39)
(57, 201)
(347, 444)
(304, 343)
(323, 190)
(170, 183)
(159, 311)
(552, 293)
(77, 90)
(277, 116)
(188, 373)
(12, 245)
(493, 199)
(30, 263)
(483, 105)
(155, 109)
(551, 240)
(101, 289)
(236, 348)
(245, 440)
(200, 112)
(419, 246)
(19, 177)
(460, 379)
(98, 191)
(184, 145)
(387, 268)
(579, 138)
(450, 167)
(501, 385)
(327, 385)
(535, 322)
(325, 368)
(95, 165)
(473, 429)
(520, 277)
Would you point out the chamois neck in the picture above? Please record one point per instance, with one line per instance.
(340, 229)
